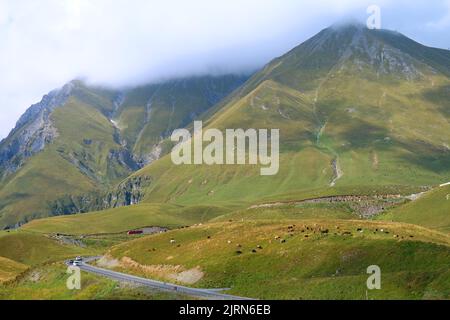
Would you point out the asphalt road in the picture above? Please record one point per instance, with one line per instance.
(211, 294)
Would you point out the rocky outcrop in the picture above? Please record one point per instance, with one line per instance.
(33, 131)
(128, 193)
(124, 158)
(147, 159)
(365, 207)
(84, 161)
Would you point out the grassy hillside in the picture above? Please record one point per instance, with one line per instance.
(234, 184)
(358, 113)
(23, 251)
(369, 155)
(49, 283)
(125, 219)
(291, 212)
(315, 259)
(32, 249)
(68, 166)
(148, 114)
(32, 268)
(431, 211)
(10, 269)
(349, 121)
(99, 137)
(43, 179)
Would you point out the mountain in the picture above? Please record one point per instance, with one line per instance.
(82, 138)
(364, 135)
(359, 111)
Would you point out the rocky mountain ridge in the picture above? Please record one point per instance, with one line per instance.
(83, 140)
(33, 131)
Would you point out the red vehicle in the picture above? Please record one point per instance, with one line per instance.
(134, 232)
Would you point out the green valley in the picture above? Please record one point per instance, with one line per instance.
(364, 144)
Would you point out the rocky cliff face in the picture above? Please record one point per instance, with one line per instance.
(128, 193)
(33, 131)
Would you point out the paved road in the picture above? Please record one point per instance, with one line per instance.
(211, 294)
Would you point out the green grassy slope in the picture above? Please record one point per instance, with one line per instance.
(229, 184)
(432, 211)
(291, 212)
(349, 121)
(360, 112)
(68, 166)
(32, 267)
(125, 219)
(49, 283)
(99, 141)
(10, 269)
(150, 113)
(23, 251)
(78, 123)
(321, 266)
(34, 249)
(45, 178)
(347, 111)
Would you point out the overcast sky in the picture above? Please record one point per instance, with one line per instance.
(46, 43)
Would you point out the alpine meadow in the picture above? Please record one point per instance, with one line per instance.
(289, 180)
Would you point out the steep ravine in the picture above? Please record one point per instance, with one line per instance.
(129, 192)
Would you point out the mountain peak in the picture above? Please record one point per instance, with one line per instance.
(348, 24)
(353, 46)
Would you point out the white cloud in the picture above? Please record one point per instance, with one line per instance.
(4, 13)
(74, 14)
(443, 23)
(45, 43)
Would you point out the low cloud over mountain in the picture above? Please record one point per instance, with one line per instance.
(44, 44)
